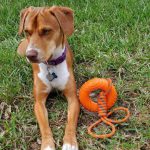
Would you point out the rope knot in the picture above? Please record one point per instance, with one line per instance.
(102, 106)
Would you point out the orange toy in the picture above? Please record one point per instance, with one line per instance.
(106, 99)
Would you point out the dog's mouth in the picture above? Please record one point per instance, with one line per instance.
(34, 57)
(32, 60)
(40, 60)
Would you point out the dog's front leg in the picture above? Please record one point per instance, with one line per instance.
(70, 141)
(42, 116)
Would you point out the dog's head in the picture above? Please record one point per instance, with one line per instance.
(45, 29)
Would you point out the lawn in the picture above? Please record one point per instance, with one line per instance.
(111, 39)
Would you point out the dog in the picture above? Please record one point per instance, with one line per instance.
(46, 48)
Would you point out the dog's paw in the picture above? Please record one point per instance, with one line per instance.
(68, 146)
(48, 144)
(48, 148)
(70, 143)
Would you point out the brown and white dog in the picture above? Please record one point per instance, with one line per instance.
(46, 30)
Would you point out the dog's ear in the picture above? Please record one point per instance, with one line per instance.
(21, 50)
(64, 16)
(23, 14)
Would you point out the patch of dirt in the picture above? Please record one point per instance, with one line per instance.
(5, 111)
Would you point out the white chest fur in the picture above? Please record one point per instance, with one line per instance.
(60, 70)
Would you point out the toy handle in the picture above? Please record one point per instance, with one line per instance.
(126, 110)
(101, 135)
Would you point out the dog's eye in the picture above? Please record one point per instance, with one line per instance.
(45, 31)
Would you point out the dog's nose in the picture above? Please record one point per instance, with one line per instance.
(32, 55)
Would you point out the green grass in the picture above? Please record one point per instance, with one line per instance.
(111, 39)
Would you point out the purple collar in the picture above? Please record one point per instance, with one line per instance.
(58, 60)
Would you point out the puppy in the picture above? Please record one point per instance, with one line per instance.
(47, 49)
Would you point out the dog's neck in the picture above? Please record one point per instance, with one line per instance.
(58, 52)
(58, 57)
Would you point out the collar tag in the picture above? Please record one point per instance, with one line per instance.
(51, 76)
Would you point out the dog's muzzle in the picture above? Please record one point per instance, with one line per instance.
(32, 55)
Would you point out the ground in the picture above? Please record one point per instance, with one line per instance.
(111, 40)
